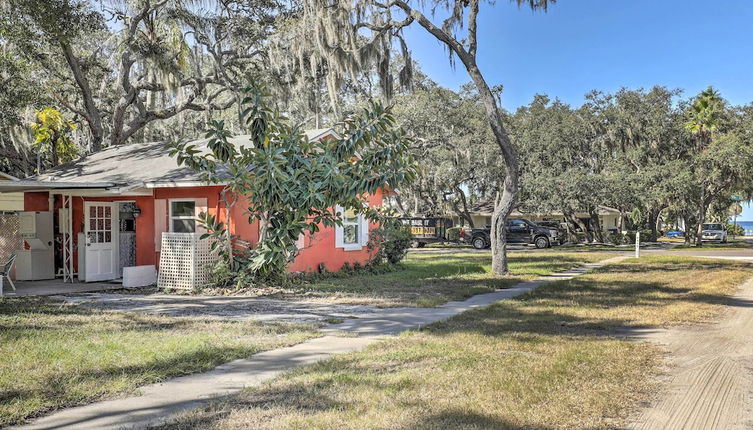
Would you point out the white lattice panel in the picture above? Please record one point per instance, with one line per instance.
(10, 238)
(183, 261)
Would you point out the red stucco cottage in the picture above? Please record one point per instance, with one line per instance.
(110, 209)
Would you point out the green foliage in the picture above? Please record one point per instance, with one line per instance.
(389, 242)
(706, 113)
(52, 135)
(291, 185)
(735, 230)
(456, 151)
(233, 253)
(617, 239)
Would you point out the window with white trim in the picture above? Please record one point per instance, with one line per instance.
(353, 234)
(183, 216)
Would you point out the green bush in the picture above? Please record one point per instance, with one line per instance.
(453, 234)
(645, 236)
(735, 230)
(616, 238)
(390, 241)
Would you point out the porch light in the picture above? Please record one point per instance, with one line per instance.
(136, 211)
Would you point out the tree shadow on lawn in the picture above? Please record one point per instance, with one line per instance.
(318, 395)
(613, 307)
(55, 315)
(63, 389)
(551, 314)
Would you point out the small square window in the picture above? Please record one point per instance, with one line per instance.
(182, 216)
(183, 209)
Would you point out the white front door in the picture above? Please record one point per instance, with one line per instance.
(102, 244)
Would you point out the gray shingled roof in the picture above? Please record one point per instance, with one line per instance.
(487, 208)
(137, 163)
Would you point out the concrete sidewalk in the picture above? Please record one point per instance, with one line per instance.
(158, 402)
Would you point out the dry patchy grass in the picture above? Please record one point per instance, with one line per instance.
(56, 355)
(549, 359)
(651, 291)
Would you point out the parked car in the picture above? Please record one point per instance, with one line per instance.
(675, 234)
(518, 231)
(714, 232)
(427, 230)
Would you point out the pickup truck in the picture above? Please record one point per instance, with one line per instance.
(518, 231)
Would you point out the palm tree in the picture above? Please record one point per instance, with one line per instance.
(706, 114)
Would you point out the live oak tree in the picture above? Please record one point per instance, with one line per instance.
(350, 34)
(453, 146)
(18, 90)
(291, 185)
(562, 162)
(642, 132)
(123, 67)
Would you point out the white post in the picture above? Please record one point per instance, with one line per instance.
(637, 244)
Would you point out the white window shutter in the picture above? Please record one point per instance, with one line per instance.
(200, 206)
(160, 222)
(339, 231)
(364, 229)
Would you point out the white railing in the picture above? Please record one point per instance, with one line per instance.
(183, 261)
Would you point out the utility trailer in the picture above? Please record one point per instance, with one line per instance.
(427, 230)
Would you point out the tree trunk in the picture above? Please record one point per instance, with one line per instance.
(653, 219)
(580, 224)
(91, 113)
(506, 200)
(463, 213)
(504, 204)
(54, 149)
(597, 226)
(701, 220)
(686, 229)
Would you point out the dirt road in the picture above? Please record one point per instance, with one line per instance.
(708, 382)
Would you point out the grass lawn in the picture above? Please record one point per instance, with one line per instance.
(543, 361)
(56, 355)
(433, 278)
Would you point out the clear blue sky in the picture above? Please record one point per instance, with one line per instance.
(582, 45)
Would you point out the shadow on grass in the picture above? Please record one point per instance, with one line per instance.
(44, 327)
(550, 312)
(69, 389)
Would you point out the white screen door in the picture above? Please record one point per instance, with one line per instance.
(102, 245)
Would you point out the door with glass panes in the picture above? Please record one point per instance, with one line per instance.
(102, 244)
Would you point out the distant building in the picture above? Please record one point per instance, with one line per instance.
(481, 214)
